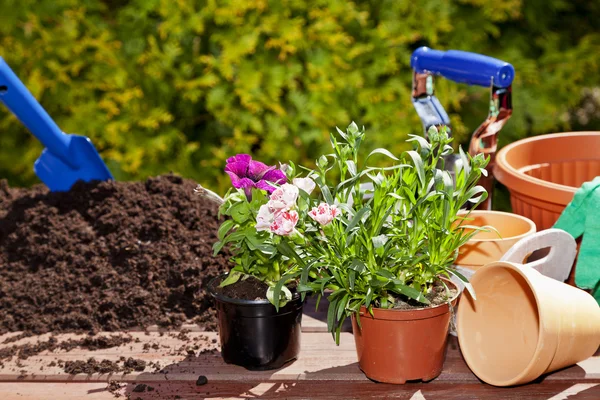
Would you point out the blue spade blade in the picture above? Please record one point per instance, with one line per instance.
(66, 158)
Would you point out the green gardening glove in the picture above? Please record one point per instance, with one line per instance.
(582, 217)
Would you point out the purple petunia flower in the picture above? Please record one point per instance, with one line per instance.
(247, 174)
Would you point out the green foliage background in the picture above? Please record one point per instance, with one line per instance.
(180, 85)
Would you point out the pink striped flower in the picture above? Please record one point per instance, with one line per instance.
(284, 223)
(324, 213)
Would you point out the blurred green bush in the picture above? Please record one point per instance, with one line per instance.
(180, 85)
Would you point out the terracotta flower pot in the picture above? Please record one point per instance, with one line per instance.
(486, 247)
(395, 346)
(542, 173)
(524, 324)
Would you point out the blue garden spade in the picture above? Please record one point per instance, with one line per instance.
(66, 158)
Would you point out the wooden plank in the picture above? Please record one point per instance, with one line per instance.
(320, 360)
(62, 391)
(299, 390)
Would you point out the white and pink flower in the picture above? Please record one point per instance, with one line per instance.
(306, 184)
(324, 213)
(264, 219)
(284, 223)
(283, 198)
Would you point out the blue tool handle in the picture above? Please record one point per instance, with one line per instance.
(25, 107)
(464, 67)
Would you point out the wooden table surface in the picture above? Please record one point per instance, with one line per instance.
(323, 371)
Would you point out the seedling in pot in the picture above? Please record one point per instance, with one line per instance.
(391, 248)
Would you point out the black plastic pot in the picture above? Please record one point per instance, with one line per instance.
(253, 334)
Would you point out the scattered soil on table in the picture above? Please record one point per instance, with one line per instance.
(114, 388)
(93, 366)
(24, 351)
(132, 364)
(142, 387)
(437, 296)
(107, 256)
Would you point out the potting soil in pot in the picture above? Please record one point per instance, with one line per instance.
(107, 256)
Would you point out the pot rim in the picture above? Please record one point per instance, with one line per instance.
(532, 226)
(539, 342)
(504, 171)
(403, 314)
(240, 302)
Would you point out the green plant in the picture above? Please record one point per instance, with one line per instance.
(394, 238)
(252, 239)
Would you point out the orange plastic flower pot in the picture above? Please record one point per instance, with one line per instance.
(542, 173)
(395, 346)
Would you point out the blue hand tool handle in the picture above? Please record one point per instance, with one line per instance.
(463, 66)
(25, 107)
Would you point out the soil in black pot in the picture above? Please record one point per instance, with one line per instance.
(248, 289)
(107, 256)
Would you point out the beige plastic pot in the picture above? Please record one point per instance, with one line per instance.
(524, 324)
(487, 247)
(542, 173)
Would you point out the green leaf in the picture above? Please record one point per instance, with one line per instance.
(275, 298)
(331, 314)
(465, 165)
(240, 212)
(341, 307)
(419, 166)
(232, 277)
(357, 217)
(472, 194)
(465, 281)
(324, 189)
(279, 286)
(383, 152)
(319, 296)
(287, 250)
(357, 265)
(256, 243)
(324, 282)
(217, 247)
(423, 143)
(368, 297)
(379, 241)
(303, 288)
(409, 292)
(351, 278)
(224, 228)
(378, 283)
(386, 274)
(351, 167)
(352, 128)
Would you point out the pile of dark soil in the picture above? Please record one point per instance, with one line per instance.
(107, 256)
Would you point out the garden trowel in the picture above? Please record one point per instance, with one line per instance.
(473, 69)
(66, 158)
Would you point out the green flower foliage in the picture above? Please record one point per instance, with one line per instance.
(180, 85)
